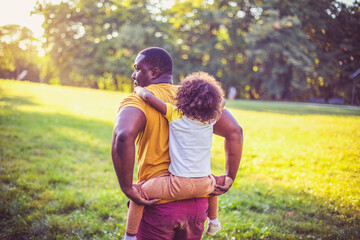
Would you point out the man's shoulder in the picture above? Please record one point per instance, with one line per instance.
(162, 88)
(133, 100)
(165, 92)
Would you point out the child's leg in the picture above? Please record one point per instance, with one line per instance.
(169, 187)
(213, 207)
(133, 219)
(213, 200)
(213, 223)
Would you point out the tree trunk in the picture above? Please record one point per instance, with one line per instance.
(116, 87)
(287, 78)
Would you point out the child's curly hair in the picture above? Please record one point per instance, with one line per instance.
(199, 97)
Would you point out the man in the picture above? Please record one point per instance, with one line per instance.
(139, 123)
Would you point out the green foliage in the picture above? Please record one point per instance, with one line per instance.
(91, 40)
(287, 50)
(18, 52)
(298, 178)
(278, 47)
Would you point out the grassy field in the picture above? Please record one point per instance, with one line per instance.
(299, 177)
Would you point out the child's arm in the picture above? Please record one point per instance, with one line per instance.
(150, 99)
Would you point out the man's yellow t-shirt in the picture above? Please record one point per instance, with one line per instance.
(153, 141)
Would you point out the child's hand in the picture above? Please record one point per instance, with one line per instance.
(223, 102)
(142, 92)
(223, 184)
(138, 89)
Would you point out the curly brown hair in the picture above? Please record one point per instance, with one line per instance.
(199, 97)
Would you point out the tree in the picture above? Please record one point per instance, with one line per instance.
(338, 51)
(209, 36)
(18, 53)
(88, 40)
(266, 49)
(278, 49)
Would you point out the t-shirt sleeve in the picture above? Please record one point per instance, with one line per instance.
(172, 112)
(133, 101)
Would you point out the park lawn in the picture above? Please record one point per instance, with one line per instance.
(299, 176)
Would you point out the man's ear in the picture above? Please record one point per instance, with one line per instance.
(156, 72)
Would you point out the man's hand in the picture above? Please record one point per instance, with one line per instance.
(223, 188)
(134, 195)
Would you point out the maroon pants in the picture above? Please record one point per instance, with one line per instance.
(177, 220)
(170, 187)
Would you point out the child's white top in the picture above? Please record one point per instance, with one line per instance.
(190, 144)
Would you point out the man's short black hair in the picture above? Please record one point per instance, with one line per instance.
(158, 57)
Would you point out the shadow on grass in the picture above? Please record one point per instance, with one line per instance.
(55, 166)
(293, 108)
(11, 102)
(258, 211)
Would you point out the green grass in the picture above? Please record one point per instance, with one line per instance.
(299, 176)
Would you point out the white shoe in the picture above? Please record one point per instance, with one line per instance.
(126, 237)
(213, 229)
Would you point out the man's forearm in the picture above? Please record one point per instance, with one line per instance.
(228, 127)
(123, 155)
(233, 152)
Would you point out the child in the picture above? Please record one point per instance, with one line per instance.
(199, 105)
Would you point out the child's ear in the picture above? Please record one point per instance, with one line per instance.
(156, 72)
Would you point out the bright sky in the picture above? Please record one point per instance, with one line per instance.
(18, 12)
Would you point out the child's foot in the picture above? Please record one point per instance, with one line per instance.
(213, 229)
(127, 237)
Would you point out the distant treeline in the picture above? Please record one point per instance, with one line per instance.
(285, 50)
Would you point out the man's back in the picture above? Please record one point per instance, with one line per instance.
(153, 141)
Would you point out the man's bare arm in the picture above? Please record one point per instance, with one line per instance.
(228, 128)
(129, 123)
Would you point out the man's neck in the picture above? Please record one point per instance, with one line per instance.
(165, 78)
